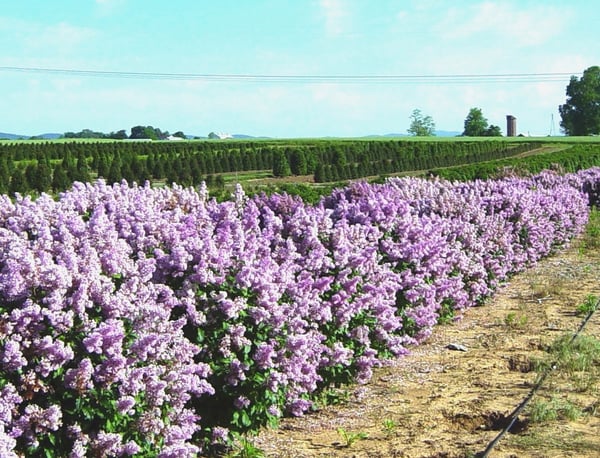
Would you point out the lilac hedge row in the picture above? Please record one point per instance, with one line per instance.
(157, 322)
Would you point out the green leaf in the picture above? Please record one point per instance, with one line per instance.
(245, 419)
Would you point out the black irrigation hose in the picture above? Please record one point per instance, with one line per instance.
(515, 414)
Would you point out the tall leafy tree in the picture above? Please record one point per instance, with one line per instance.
(420, 125)
(493, 131)
(581, 112)
(476, 125)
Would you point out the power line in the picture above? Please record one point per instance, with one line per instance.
(522, 78)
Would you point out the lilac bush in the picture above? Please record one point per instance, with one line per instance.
(139, 321)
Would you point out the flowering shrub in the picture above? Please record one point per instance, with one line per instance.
(157, 322)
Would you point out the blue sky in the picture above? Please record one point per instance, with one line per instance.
(290, 38)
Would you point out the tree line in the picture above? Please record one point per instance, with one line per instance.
(54, 166)
(577, 157)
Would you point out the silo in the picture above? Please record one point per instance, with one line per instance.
(511, 126)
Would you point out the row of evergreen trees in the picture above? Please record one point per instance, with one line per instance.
(577, 157)
(54, 166)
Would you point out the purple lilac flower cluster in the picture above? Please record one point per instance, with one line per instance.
(144, 321)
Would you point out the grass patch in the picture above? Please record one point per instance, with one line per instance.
(579, 355)
(553, 410)
(542, 441)
(589, 305)
(515, 320)
(590, 239)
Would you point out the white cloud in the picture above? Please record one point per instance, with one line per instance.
(336, 16)
(30, 37)
(516, 23)
(63, 36)
(105, 7)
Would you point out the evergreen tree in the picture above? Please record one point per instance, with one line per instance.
(114, 173)
(281, 166)
(43, 178)
(60, 179)
(103, 166)
(4, 174)
(158, 171)
(319, 175)
(30, 175)
(18, 183)
(82, 170)
(298, 165)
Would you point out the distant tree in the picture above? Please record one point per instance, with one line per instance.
(319, 175)
(103, 166)
(18, 182)
(43, 178)
(475, 123)
(493, 131)
(119, 135)
(581, 112)
(179, 134)
(298, 165)
(60, 179)
(339, 157)
(4, 174)
(140, 132)
(158, 170)
(82, 170)
(281, 166)
(114, 172)
(219, 182)
(421, 126)
(85, 133)
(30, 174)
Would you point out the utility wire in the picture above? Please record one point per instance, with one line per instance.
(305, 79)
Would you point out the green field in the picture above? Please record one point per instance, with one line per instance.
(302, 166)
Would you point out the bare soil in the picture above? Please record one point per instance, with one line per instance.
(444, 403)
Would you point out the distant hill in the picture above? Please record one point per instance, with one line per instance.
(447, 133)
(5, 136)
(49, 136)
(53, 136)
(438, 133)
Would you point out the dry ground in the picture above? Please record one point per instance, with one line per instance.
(439, 402)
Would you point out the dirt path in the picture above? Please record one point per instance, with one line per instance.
(439, 402)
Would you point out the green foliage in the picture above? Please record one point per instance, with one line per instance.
(389, 427)
(581, 354)
(245, 449)
(493, 131)
(591, 236)
(330, 161)
(420, 125)
(588, 306)
(281, 166)
(555, 409)
(577, 157)
(515, 321)
(475, 123)
(581, 112)
(18, 182)
(349, 438)
(298, 162)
